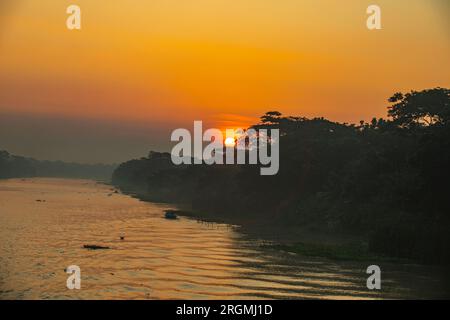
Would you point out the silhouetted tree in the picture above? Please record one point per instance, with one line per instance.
(424, 108)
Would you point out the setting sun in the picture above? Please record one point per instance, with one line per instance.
(229, 142)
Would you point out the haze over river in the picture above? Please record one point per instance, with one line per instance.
(44, 224)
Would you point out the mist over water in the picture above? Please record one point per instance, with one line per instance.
(44, 224)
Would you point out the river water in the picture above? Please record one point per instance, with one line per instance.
(44, 224)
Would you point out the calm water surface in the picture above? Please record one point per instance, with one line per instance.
(44, 224)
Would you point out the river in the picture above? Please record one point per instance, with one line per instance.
(44, 224)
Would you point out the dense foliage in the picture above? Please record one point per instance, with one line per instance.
(387, 179)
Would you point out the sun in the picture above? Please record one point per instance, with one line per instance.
(229, 142)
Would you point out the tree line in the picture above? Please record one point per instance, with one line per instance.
(12, 166)
(386, 180)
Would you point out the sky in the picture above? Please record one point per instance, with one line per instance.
(139, 69)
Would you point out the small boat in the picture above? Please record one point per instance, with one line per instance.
(171, 215)
(95, 247)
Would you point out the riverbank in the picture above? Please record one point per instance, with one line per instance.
(303, 240)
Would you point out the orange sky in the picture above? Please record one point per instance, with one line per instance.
(224, 62)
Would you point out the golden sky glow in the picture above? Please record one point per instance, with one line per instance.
(224, 62)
